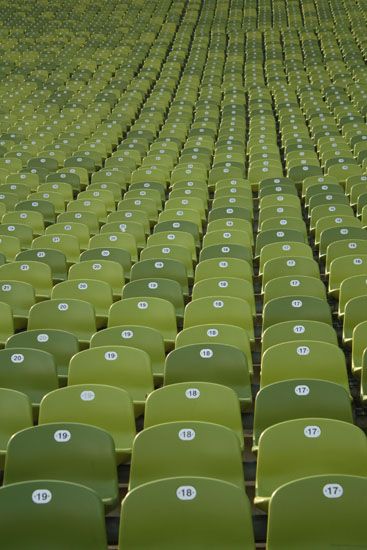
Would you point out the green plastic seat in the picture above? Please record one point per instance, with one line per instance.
(67, 244)
(121, 366)
(223, 268)
(295, 308)
(73, 452)
(203, 499)
(89, 219)
(55, 259)
(297, 330)
(149, 312)
(174, 252)
(147, 339)
(344, 248)
(354, 313)
(305, 447)
(306, 359)
(60, 344)
(75, 316)
(333, 234)
(187, 448)
(205, 364)
(201, 401)
(289, 266)
(231, 286)
(299, 398)
(106, 271)
(15, 415)
(273, 236)
(21, 297)
(133, 228)
(23, 232)
(42, 505)
(166, 268)
(36, 274)
(323, 503)
(120, 240)
(106, 407)
(167, 289)
(34, 220)
(9, 246)
(286, 286)
(344, 267)
(277, 250)
(30, 371)
(97, 293)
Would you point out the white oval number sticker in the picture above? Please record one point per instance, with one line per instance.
(302, 390)
(312, 431)
(192, 393)
(186, 492)
(186, 435)
(41, 496)
(332, 490)
(62, 436)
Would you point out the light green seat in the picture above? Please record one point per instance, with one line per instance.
(329, 222)
(30, 371)
(167, 289)
(34, 273)
(67, 244)
(9, 246)
(125, 241)
(299, 398)
(354, 313)
(289, 266)
(105, 407)
(60, 344)
(295, 308)
(344, 248)
(283, 236)
(227, 237)
(174, 237)
(303, 359)
(204, 362)
(67, 452)
(78, 508)
(174, 252)
(149, 312)
(223, 268)
(75, 316)
(277, 250)
(121, 366)
(15, 415)
(89, 219)
(34, 220)
(324, 210)
(97, 293)
(334, 234)
(231, 286)
(305, 447)
(287, 285)
(21, 297)
(79, 230)
(297, 330)
(344, 267)
(323, 503)
(187, 448)
(147, 339)
(6, 323)
(166, 268)
(201, 401)
(133, 228)
(203, 499)
(292, 223)
(23, 232)
(55, 259)
(107, 271)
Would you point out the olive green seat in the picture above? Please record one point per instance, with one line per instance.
(223, 268)
(23, 232)
(299, 398)
(306, 447)
(203, 499)
(6, 323)
(333, 234)
(37, 274)
(106, 407)
(124, 241)
(165, 268)
(273, 236)
(204, 362)
(304, 359)
(60, 344)
(289, 266)
(75, 316)
(55, 259)
(344, 267)
(113, 254)
(199, 401)
(97, 293)
(40, 506)
(167, 289)
(187, 448)
(149, 312)
(147, 339)
(287, 249)
(227, 237)
(231, 286)
(297, 330)
(223, 251)
(15, 415)
(121, 366)
(107, 271)
(348, 247)
(21, 297)
(323, 503)
(286, 286)
(65, 451)
(30, 371)
(9, 247)
(354, 313)
(295, 308)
